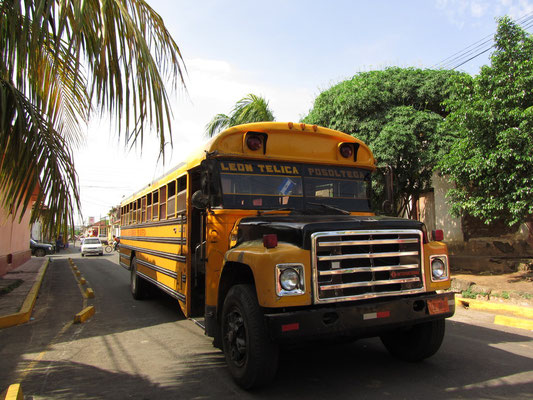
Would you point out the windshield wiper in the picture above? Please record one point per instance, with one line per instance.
(327, 206)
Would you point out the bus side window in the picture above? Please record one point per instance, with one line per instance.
(155, 206)
(181, 198)
(149, 207)
(163, 202)
(143, 209)
(171, 202)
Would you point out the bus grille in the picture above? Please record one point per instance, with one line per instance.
(366, 264)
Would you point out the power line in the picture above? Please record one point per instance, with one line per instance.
(480, 47)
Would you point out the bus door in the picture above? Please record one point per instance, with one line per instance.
(196, 247)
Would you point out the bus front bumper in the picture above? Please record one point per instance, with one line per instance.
(358, 320)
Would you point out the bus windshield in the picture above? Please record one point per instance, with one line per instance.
(272, 185)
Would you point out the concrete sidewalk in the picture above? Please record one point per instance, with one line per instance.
(16, 305)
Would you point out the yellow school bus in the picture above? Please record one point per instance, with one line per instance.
(268, 234)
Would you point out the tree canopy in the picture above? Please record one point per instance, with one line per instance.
(251, 108)
(397, 112)
(61, 62)
(491, 162)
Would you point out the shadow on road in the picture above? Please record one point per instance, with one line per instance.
(474, 362)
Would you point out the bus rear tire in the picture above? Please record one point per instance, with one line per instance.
(416, 343)
(138, 286)
(251, 356)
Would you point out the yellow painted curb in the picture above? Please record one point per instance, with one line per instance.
(84, 314)
(13, 392)
(89, 293)
(27, 307)
(525, 312)
(514, 322)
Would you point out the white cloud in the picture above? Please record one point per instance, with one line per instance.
(478, 9)
(461, 12)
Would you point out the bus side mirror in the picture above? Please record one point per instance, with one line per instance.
(200, 200)
(387, 207)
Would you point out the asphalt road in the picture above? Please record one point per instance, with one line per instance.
(148, 350)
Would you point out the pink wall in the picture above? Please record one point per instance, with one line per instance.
(14, 241)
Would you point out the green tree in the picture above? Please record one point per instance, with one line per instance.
(249, 109)
(397, 112)
(491, 162)
(63, 61)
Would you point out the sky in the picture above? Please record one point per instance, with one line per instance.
(287, 51)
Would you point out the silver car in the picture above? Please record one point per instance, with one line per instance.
(92, 245)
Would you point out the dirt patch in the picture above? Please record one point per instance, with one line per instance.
(516, 287)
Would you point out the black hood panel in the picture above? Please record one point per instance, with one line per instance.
(297, 229)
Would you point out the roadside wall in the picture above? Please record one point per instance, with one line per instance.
(451, 226)
(14, 241)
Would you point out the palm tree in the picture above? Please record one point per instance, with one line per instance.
(62, 61)
(251, 108)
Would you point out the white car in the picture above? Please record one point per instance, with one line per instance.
(92, 245)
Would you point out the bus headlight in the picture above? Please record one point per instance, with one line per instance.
(439, 268)
(290, 279)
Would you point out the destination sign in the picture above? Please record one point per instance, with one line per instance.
(271, 168)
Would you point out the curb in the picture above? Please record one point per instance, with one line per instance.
(24, 314)
(88, 310)
(13, 392)
(514, 322)
(84, 314)
(525, 313)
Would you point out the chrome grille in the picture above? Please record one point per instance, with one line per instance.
(366, 264)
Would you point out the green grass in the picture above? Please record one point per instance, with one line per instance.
(469, 294)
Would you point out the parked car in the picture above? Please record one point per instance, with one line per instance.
(92, 245)
(41, 249)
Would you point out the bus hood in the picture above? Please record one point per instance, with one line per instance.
(297, 229)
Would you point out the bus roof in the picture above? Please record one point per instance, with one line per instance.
(290, 142)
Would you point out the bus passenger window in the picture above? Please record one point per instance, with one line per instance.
(171, 202)
(149, 207)
(155, 206)
(163, 202)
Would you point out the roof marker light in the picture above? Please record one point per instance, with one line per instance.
(254, 142)
(346, 150)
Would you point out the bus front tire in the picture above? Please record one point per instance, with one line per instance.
(416, 343)
(251, 356)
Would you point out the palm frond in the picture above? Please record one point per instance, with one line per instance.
(35, 159)
(251, 108)
(218, 123)
(62, 59)
(128, 50)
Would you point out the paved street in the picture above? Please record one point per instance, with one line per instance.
(148, 350)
